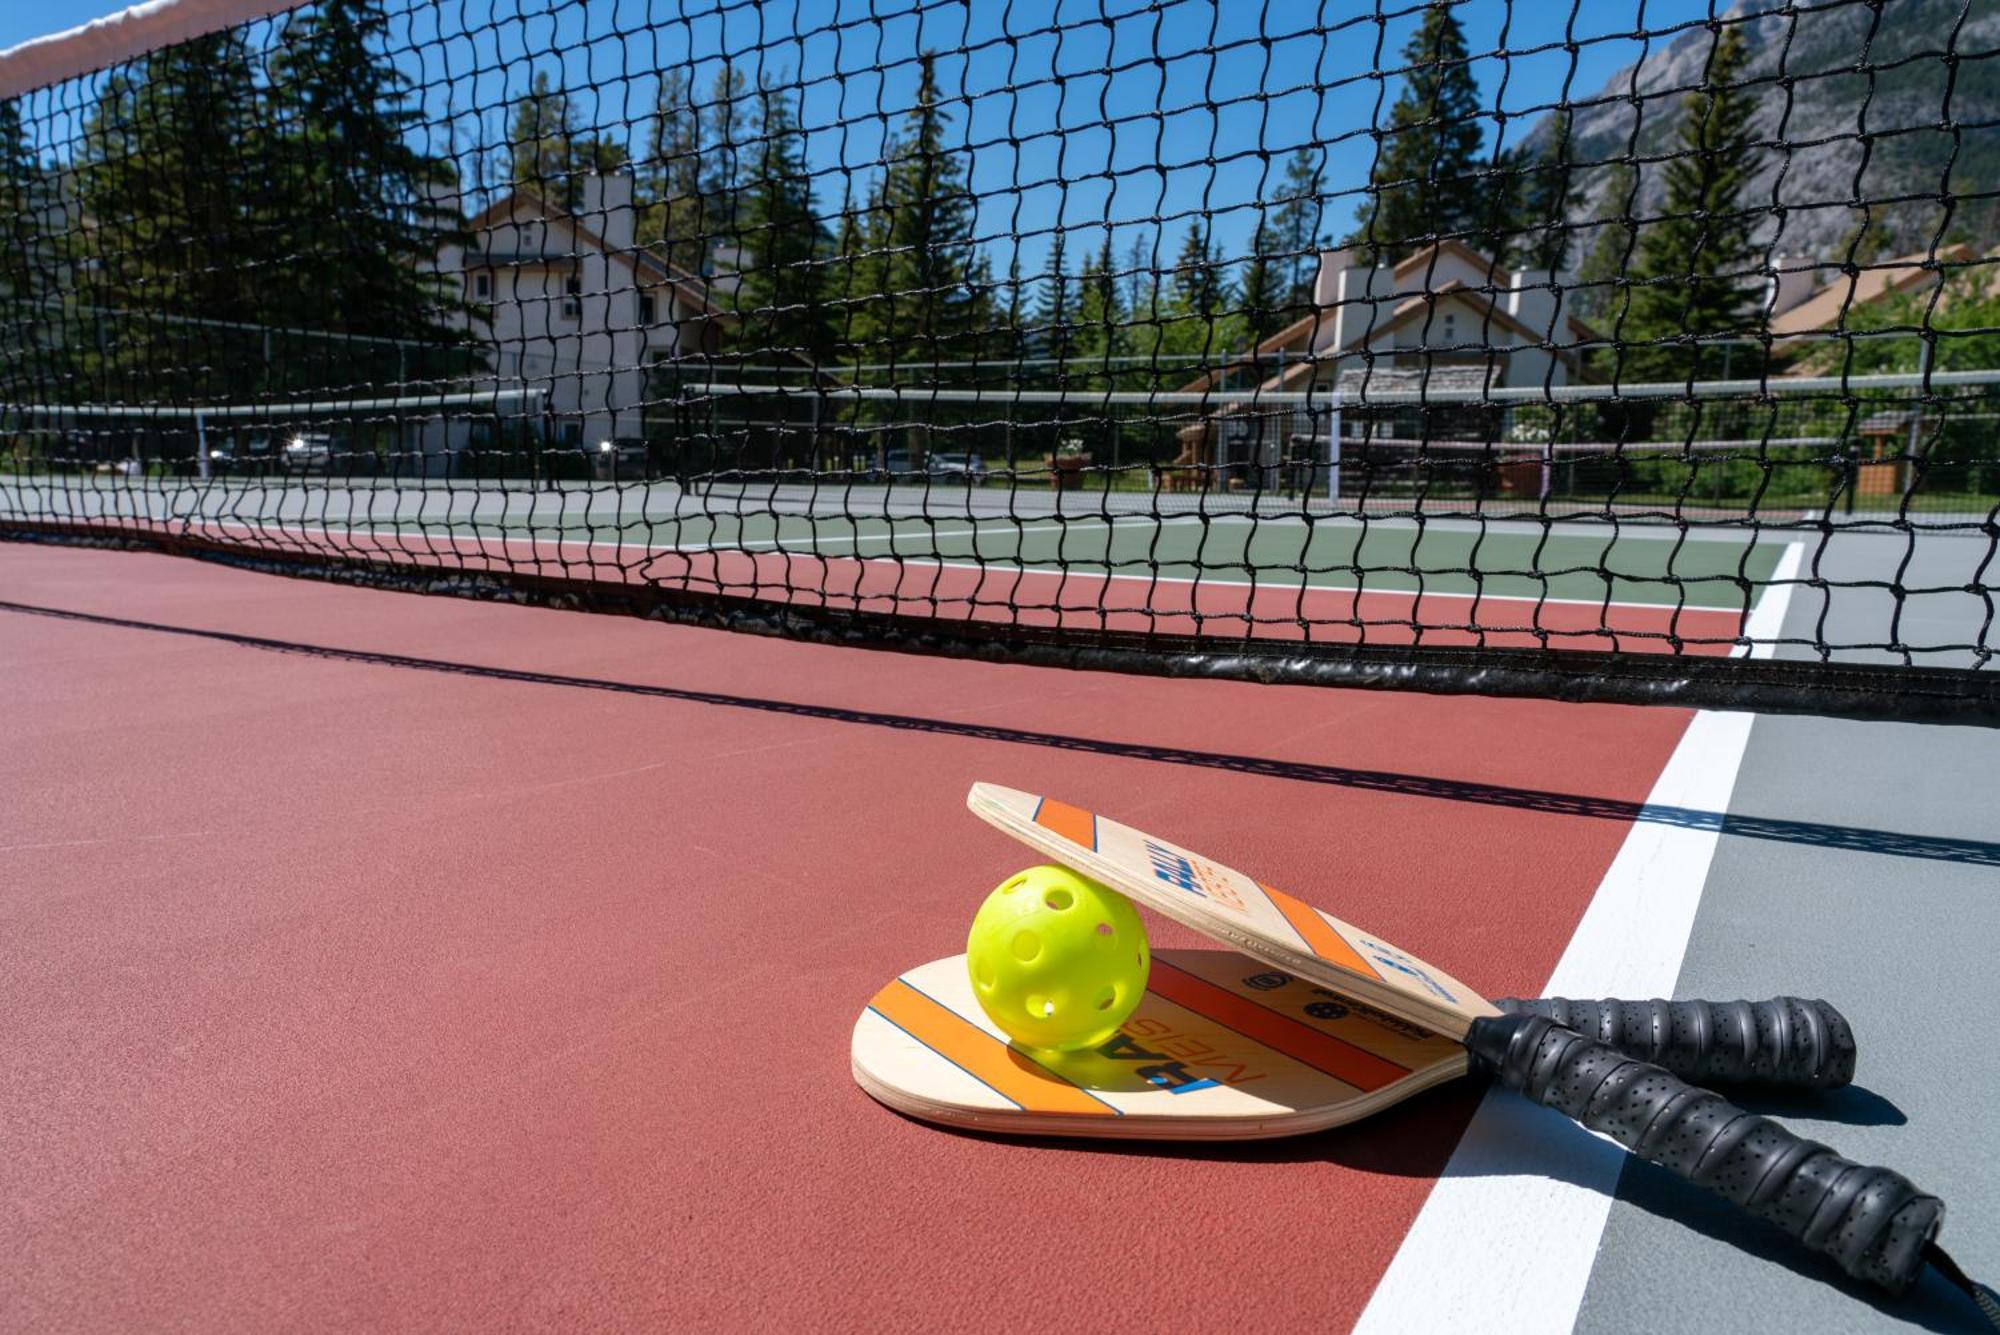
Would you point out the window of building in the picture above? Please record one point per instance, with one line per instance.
(482, 287)
(572, 307)
(648, 311)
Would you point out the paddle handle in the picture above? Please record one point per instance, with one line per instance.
(1874, 1223)
(1786, 1041)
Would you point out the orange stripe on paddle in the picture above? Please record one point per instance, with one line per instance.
(984, 1057)
(1301, 1042)
(1072, 823)
(1321, 939)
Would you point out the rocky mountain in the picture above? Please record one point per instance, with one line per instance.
(1890, 104)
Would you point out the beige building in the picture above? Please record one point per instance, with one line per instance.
(1446, 321)
(1815, 319)
(578, 309)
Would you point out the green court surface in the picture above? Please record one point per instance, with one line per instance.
(1502, 559)
(1626, 561)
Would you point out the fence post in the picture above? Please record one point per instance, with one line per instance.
(1917, 416)
(1333, 449)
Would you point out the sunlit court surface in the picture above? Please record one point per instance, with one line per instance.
(1096, 561)
(551, 556)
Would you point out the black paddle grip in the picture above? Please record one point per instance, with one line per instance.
(1872, 1222)
(1785, 1041)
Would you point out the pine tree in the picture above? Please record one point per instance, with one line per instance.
(602, 155)
(1056, 328)
(18, 181)
(1426, 181)
(784, 243)
(861, 278)
(1867, 241)
(541, 138)
(728, 153)
(1143, 298)
(1693, 261)
(168, 150)
(916, 289)
(1264, 289)
(1102, 337)
(1199, 285)
(672, 202)
(1011, 343)
(551, 154)
(1541, 189)
(1297, 232)
(1194, 322)
(363, 212)
(919, 284)
(27, 279)
(1597, 297)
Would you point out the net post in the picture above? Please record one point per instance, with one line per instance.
(201, 464)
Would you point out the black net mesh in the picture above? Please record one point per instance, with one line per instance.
(1589, 351)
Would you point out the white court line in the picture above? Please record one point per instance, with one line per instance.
(365, 538)
(1508, 1237)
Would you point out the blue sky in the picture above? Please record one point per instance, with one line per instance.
(19, 22)
(1176, 109)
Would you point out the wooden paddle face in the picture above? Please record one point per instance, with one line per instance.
(1229, 907)
(1222, 1048)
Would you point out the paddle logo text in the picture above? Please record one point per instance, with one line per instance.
(1389, 957)
(1164, 1057)
(1192, 875)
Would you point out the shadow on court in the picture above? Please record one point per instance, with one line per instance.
(1892, 843)
(1414, 1139)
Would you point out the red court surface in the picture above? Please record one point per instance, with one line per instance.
(420, 963)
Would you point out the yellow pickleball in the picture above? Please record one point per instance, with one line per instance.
(1057, 960)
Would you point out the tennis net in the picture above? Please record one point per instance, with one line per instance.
(1457, 346)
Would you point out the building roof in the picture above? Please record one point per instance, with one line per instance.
(1826, 308)
(1295, 334)
(1299, 331)
(1414, 308)
(1428, 255)
(643, 262)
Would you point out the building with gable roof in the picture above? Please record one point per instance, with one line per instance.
(1445, 320)
(577, 308)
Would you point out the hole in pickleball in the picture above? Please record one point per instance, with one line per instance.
(1104, 929)
(982, 970)
(1105, 997)
(1026, 946)
(1014, 884)
(1059, 899)
(1041, 1007)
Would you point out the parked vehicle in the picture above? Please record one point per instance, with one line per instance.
(967, 468)
(323, 452)
(890, 466)
(254, 455)
(620, 459)
(259, 454)
(308, 453)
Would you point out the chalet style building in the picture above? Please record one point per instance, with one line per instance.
(1446, 322)
(575, 307)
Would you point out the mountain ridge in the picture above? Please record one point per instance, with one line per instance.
(1866, 115)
